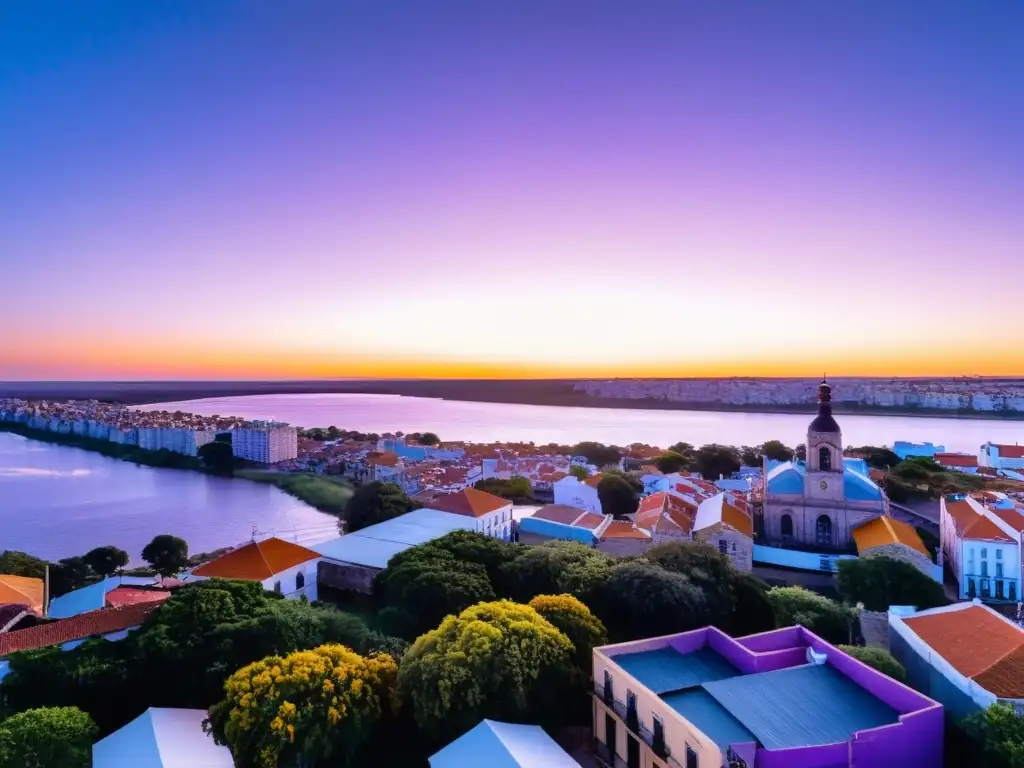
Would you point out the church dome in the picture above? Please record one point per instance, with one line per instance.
(824, 422)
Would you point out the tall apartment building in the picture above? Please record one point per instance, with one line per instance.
(265, 442)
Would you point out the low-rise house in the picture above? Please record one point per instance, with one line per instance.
(780, 699)
(574, 493)
(279, 565)
(725, 525)
(162, 738)
(999, 456)
(957, 462)
(108, 623)
(888, 537)
(623, 539)
(21, 590)
(560, 521)
(906, 450)
(502, 745)
(492, 514)
(94, 596)
(982, 549)
(965, 655)
(667, 516)
(350, 562)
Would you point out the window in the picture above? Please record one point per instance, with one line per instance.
(691, 758)
(984, 568)
(823, 530)
(1013, 590)
(734, 546)
(723, 546)
(787, 525)
(824, 459)
(609, 694)
(999, 554)
(999, 570)
(277, 587)
(632, 719)
(984, 552)
(300, 580)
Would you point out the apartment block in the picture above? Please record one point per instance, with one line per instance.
(265, 442)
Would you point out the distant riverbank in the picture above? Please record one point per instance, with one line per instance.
(321, 493)
(554, 392)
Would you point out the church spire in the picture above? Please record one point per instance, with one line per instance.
(824, 421)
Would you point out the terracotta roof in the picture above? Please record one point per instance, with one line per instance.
(736, 518)
(470, 502)
(978, 644)
(1011, 517)
(970, 524)
(956, 459)
(22, 589)
(665, 513)
(123, 595)
(593, 480)
(622, 529)
(590, 521)
(1011, 451)
(257, 560)
(887, 530)
(101, 622)
(559, 513)
(384, 459)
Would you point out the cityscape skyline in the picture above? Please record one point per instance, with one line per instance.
(199, 191)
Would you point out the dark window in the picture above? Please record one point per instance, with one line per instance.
(691, 758)
(824, 459)
(999, 589)
(824, 530)
(984, 568)
(972, 590)
(1013, 590)
(277, 587)
(609, 694)
(300, 581)
(723, 546)
(787, 525)
(999, 570)
(609, 734)
(632, 752)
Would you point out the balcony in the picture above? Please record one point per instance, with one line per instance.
(993, 588)
(631, 719)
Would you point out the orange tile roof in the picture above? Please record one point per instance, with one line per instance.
(663, 510)
(885, 530)
(972, 525)
(470, 502)
(123, 595)
(956, 459)
(1011, 517)
(559, 513)
(737, 518)
(978, 644)
(22, 589)
(257, 560)
(593, 480)
(590, 521)
(1011, 451)
(622, 529)
(101, 622)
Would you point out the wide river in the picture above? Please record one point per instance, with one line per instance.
(57, 501)
(483, 422)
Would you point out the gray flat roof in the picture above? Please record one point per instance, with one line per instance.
(665, 669)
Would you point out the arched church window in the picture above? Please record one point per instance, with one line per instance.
(824, 530)
(300, 580)
(787, 525)
(824, 459)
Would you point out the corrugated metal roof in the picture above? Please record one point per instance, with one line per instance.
(503, 745)
(92, 597)
(710, 717)
(665, 669)
(802, 706)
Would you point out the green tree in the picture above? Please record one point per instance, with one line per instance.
(374, 503)
(877, 457)
(514, 489)
(429, 438)
(800, 452)
(574, 620)
(106, 561)
(309, 708)
(471, 547)
(218, 456)
(826, 618)
(685, 450)
(167, 554)
(68, 574)
(1000, 733)
(14, 563)
(881, 660)
(714, 461)
(552, 568)
(880, 582)
(750, 456)
(580, 473)
(640, 599)
(49, 737)
(752, 612)
(597, 454)
(497, 660)
(776, 450)
(223, 437)
(617, 496)
(671, 462)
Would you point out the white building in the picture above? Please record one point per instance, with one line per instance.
(982, 546)
(582, 495)
(1001, 456)
(493, 514)
(175, 439)
(279, 565)
(265, 442)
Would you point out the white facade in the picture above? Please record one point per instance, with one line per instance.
(175, 439)
(268, 444)
(992, 455)
(984, 564)
(571, 492)
(295, 582)
(497, 523)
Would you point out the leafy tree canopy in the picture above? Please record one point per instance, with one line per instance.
(374, 503)
(685, 450)
(106, 561)
(514, 489)
(167, 554)
(552, 568)
(750, 456)
(879, 582)
(574, 620)
(714, 461)
(580, 473)
(497, 660)
(49, 737)
(672, 462)
(597, 454)
(617, 496)
(878, 457)
(304, 708)
(881, 660)
(826, 618)
(776, 450)
(1000, 733)
(217, 455)
(429, 438)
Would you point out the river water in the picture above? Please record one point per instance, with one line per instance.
(57, 501)
(483, 422)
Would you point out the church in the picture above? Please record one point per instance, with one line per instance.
(818, 502)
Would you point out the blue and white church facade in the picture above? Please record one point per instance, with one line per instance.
(818, 502)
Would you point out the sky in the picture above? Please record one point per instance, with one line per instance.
(337, 188)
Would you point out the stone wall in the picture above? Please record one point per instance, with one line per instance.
(739, 548)
(874, 628)
(904, 553)
(355, 578)
(624, 547)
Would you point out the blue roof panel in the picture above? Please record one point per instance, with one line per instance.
(665, 669)
(503, 745)
(557, 530)
(802, 706)
(786, 478)
(710, 718)
(856, 487)
(92, 597)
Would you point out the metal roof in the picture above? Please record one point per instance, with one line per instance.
(711, 718)
(503, 745)
(665, 669)
(162, 738)
(802, 706)
(92, 597)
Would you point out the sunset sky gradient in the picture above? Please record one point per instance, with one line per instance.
(462, 188)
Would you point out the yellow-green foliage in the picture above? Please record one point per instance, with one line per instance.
(320, 703)
(498, 660)
(575, 621)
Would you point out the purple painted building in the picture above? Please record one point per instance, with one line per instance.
(781, 699)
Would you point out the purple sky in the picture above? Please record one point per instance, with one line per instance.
(193, 189)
